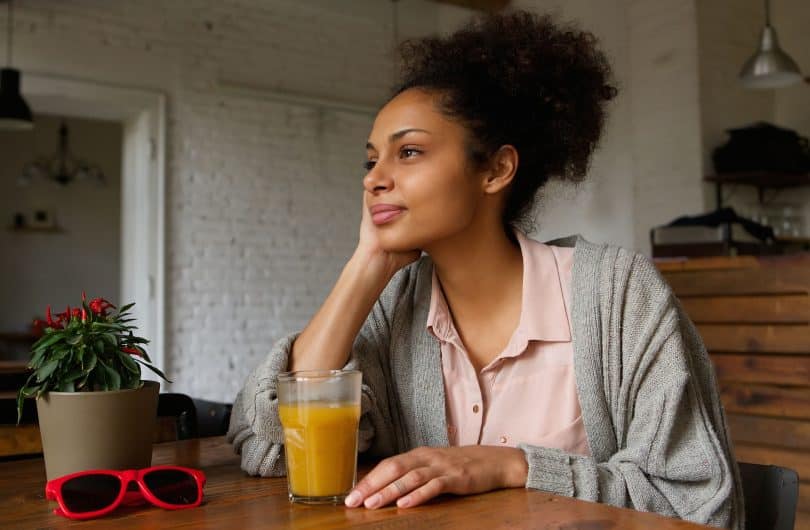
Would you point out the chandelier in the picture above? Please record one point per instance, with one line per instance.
(62, 167)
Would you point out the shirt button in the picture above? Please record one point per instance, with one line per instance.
(502, 439)
(475, 409)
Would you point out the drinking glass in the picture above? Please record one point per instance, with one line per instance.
(320, 414)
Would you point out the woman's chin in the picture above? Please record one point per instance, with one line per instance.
(396, 243)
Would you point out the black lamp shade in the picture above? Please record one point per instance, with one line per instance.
(14, 111)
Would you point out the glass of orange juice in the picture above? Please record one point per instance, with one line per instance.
(320, 414)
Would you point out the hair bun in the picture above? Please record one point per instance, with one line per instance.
(521, 79)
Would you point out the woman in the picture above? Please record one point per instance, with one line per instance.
(495, 361)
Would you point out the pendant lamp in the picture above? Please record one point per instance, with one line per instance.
(14, 111)
(770, 66)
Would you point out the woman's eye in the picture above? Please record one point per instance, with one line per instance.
(409, 152)
(369, 165)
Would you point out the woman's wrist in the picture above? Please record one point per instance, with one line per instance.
(375, 267)
(515, 469)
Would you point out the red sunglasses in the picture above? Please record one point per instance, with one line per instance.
(89, 494)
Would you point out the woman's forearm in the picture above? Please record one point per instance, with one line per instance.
(326, 342)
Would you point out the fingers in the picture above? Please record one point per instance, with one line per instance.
(434, 487)
(389, 480)
(381, 476)
(399, 487)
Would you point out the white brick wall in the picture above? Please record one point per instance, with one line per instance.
(263, 198)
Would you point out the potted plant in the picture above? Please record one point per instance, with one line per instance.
(94, 410)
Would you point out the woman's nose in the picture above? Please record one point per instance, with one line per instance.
(378, 179)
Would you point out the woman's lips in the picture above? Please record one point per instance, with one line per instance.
(385, 213)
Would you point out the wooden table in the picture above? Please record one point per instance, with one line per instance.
(234, 500)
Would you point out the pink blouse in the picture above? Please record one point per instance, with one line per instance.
(527, 394)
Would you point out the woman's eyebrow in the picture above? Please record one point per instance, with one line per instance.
(396, 136)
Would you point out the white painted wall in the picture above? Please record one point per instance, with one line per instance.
(53, 268)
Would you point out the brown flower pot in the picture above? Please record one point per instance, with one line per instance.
(97, 430)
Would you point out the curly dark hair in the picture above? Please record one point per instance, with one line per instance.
(519, 79)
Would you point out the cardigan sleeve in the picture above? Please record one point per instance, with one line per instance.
(255, 429)
(672, 450)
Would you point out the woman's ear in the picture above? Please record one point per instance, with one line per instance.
(502, 169)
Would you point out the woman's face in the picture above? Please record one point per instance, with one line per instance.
(419, 187)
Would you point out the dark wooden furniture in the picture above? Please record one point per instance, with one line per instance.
(754, 316)
(234, 500)
(177, 417)
(213, 417)
(770, 493)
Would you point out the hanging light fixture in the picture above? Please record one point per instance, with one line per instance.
(14, 111)
(62, 167)
(770, 66)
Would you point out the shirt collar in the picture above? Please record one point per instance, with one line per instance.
(543, 314)
(439, 320)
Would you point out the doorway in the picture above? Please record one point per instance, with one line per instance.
(141, 115)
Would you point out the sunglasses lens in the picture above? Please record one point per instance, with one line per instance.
(172, 486)
(90, 493)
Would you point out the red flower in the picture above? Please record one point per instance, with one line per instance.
(99, 306)
(77, 313)
(130, 350)
(55, 324)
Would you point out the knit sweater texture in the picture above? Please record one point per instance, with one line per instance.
(650, 404)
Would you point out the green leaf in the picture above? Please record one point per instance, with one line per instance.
(72, 375)
(27, 390)
(153, 368)
(36, 359)
(46, 341)
(66, 386)
(129, 364)
(60, 354)
(99, 378)
(47, 369)
(92, 358)
(112, 376)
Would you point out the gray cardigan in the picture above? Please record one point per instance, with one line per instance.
(649, 398)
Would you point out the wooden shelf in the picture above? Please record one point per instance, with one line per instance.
(762, 179)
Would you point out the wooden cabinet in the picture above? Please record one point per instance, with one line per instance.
(754, 316)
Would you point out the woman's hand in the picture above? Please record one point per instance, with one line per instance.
(414, 477)
(371, 253)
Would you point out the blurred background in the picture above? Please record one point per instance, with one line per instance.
(203, 157)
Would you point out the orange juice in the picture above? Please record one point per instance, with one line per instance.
(321, 446)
